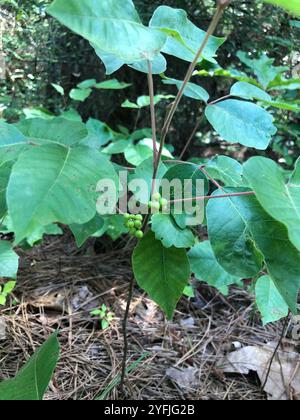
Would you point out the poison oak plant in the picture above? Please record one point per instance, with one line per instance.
(50, 168)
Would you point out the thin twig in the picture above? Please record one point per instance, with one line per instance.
(276, 351)
(223, 98)
(201, 168)
(125, 324)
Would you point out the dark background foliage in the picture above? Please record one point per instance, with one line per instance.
(39, 51)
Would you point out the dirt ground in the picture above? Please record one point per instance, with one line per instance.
(59, 285)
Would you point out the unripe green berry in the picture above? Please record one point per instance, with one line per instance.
(127, 216)
(138, 224)
(139, 234)
(130, 224)
(164, 203)
(156, 196)
(139, 217)
(154, 206)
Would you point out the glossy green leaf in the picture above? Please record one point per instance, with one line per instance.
(162, 272)
(225, 169)
(231, 238)
(95, 227)
(269, 301)
(169, 233)
(57, 130)
(32, 381)
(80, 94)
(291, 6)
(55, 184)
(191, 91)
(112, 26)
(9, 261)
(242, 122)
(207, 269)
(279, 198)
(248, 91)
(184, 38)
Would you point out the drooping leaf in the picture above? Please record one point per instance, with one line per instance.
(192, 90)
(80, 94)
(184, 38)
(279, 198)
(57, 130)
(248, 91)
(231, 238)
(169, 233)
(242, 122)
(55, 184)
(207, 269)
(32, 381)
(225, 169)
(9, 261)
(95, 227)
(292, 6)
(269, 301)
(162, 272)
(112, 26)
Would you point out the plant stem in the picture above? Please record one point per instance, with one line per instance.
(201, 168)
(125, 324)
(152, 111)
(212, 27)
(223, 98)
(211, 197)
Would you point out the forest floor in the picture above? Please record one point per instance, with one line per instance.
(59, 285)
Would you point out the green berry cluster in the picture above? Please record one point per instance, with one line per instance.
(134, 223)
(158, 203)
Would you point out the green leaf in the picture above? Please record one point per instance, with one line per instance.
(144, 101)
(57, 130)
(99, 134)
(249, 91)
(169, 233)
(58, 89)
(87, 84)
(135, 154)
(95, 227)
(113, 84)
(206, 268)
(242, 122)
(5, 170)
(8, 288)
(262, 67)
(116, 147)
(184, 38)
(271, 239)
(9, 261)
(55, 184)
(291, 6)
(112, 26)
(38, 234)
(80, 94)
(226, 170)
(162, 273)
(191, 91)
(295, 23)
(10, 136)
(145, 172)
(38, 112)
(269, 301)
(231, 238)
(280, 199)
(286, 106)
(32, 381)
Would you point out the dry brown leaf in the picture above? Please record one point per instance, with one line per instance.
(283, 382)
